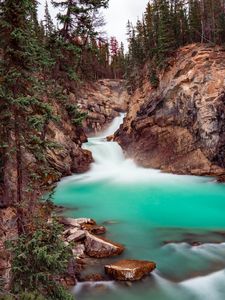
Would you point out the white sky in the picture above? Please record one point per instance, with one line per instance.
(116, 16)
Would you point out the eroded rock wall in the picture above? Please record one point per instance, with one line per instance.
(102, 101)
(179, 127)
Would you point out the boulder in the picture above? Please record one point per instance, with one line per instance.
(76, 236)
(76, 222)
(110, 138)
(95, 229)
(129, 270)
(100, 247)
(78, 251)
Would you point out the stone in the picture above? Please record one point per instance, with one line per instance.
(221, 179)
(93, 278)
(95, 229)
(129, 270)
(78, 251)
(76, 236)
(110, 138)
(69, 277)
(81, 161)
(76, 222)
(100, 247)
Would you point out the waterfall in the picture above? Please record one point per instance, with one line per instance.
(111, 164)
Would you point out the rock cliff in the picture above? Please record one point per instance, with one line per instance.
(102, 101)
(179, 126)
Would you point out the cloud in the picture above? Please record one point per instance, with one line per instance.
(116, 16)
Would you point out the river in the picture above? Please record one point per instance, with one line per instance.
(158, 217)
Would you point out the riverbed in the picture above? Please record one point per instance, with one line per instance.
(176, 221)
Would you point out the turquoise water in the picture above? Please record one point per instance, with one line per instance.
(157, 217)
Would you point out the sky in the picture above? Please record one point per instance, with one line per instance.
(116, 16)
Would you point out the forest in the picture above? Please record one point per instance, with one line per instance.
(167, 25)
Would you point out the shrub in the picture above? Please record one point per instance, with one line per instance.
(37, 260)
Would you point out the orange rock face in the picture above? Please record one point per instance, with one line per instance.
(130, 270)
(102, 100)
(179, 127)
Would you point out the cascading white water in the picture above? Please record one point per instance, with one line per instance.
(110, 162)
(151, 207)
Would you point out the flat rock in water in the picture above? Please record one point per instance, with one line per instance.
(76, 222)
(100, 247)
(76, 236)
(130, 270)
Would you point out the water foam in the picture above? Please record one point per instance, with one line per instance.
(210, 287)
(111, 165)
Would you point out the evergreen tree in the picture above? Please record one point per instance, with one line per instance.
(25, 114)
(166, 37)
(195, 21)
(48, 23)
(77, 19)
(169, 24)
(150, 40)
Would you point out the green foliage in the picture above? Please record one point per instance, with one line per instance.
(31, 296)
(76, 116)
(7, 297)
(153, 78)
(37, 259)
(1, 286)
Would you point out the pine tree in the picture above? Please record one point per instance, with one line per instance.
(48, 23)
(150, 42)
(179, 22)
(195, 21)
(25, 114)
(77, 19)
(166, 37)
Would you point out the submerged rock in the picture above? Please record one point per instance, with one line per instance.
(130, 270)
(93, 278)
(95, 229)
(100, 247)
(111, 222)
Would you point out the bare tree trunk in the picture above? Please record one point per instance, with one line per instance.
(65, 30)
(202, 21)
(19, 187)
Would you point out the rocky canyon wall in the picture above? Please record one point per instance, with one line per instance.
(102, 100)
(179, 126)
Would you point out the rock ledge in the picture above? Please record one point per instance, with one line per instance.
(130, 270)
